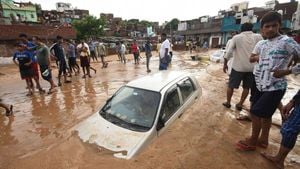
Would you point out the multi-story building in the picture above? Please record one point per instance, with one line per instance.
(18, 12)
(64, 14)
(217, 30)
(204, 29)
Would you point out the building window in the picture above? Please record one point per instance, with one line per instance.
(32, 16)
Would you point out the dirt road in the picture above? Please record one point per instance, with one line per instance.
(40, 134)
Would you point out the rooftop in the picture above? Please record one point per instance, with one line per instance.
(157, 81)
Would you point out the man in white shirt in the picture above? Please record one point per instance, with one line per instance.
(164, 53)
(240, 47)
(123, 52)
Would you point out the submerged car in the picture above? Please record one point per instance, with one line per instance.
(218, 56)
(139, 112)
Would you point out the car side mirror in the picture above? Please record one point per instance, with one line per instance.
(160, 124)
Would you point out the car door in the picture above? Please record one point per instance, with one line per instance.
(188, 92)
(170, 108)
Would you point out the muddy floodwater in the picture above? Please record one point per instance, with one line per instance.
(40, 134)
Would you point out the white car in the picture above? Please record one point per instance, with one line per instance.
(218, 56)
(139, 112)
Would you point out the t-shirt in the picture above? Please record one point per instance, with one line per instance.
(59, 52)
(273, 54)
(32, 50)
(134, 48)
(23, 57)
(241, 47)
(148, 48)
(85, 45)
(42, 55)
(123, 49)
(101, 49)
(71, 51)
(165, 45)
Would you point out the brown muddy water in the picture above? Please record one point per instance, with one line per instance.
(40, 134)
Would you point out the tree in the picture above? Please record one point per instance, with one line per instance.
(89, 27)
(173, 24)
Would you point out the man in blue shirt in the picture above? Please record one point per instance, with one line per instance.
(57, 50)
(31, 48)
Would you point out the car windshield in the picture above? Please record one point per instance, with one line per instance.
(132, 108)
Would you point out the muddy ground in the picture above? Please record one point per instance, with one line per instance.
(40, 133)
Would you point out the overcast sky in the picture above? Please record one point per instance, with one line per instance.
(151, 10)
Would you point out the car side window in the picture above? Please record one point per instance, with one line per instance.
(186, 88)
(171, 104)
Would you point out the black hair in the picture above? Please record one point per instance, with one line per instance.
(246, 27)
(59, 37)
(22, 35)
(163, 34)
(271, 17)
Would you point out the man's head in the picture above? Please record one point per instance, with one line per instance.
(270, 24)
(36, 40)
(246, 27)
(20, 46)
(23, 37)
(163, 37)
(59, 39)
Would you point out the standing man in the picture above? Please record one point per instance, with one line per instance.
(72, 58)
(164, 53)
(135, 52)
(123, 52)
(31, 47)
(92, 48)
(273, 56)
(240, 47)
(291, 126)
(57, 50)
(101, 50)
(23, 59)
(43, 58)
(148, 51)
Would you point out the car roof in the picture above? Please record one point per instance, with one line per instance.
(157, 81)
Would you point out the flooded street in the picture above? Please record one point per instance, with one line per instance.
(41, 134)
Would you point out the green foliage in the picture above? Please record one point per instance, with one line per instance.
(146, 23)
(173, 24)
(89, 27)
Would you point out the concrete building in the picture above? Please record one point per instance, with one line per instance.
(18, 12)
(204, 29)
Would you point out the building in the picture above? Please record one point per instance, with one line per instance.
(217, 30)
(10, 33)
(18, 12)
(63, 15)
(287, 10)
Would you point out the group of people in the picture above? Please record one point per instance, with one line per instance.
(262, 61)
(30, 55)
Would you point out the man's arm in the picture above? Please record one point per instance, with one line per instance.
(228, 53)
(281, 73)
(254, 58)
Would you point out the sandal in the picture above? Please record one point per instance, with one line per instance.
(243, 118)
(29, 94)
(227, 105)
(238, 107)
(243, 146)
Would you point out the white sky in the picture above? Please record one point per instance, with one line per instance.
(152, 10)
